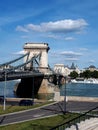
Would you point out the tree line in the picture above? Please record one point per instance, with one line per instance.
(84, 74)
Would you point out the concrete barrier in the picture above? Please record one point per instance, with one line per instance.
(76, 98)
(68, 98)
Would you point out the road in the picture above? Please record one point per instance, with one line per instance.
(45, 111)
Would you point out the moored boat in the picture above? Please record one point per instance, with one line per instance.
(86, 81)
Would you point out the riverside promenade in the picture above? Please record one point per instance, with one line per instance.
(47, 111)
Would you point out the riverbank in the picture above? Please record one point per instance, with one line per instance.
(84, 99)
(68, 98)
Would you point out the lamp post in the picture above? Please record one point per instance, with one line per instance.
(5, 76)
(33, 91)
(65, 98)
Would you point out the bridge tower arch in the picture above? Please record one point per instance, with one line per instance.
(36, 49)
(37, 86)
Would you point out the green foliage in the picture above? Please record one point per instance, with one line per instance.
(89, 74)
(85, 74)
(73, 74)
(11, 109)
(94, 74)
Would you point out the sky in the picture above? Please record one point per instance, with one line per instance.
(70, 27)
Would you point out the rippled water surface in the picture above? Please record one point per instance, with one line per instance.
(86, 90)
(9, 88)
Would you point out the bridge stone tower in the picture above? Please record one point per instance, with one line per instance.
(35, 49)
(39, 86)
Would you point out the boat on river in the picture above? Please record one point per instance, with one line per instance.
(86, 81)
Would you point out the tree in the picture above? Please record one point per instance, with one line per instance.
(94, 74)
(73, 74)
(87, 74)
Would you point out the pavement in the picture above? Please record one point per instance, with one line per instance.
(46, 111)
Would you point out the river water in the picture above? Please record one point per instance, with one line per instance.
(9, 88)
(80, 89)
(71, 89)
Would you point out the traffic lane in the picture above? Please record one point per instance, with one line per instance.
(80, 105)
(47, 111)
(27, 115)
(72, 106)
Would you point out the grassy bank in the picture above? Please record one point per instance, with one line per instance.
(10, 108)
(41, 124)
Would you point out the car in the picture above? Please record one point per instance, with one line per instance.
(1, 98)
(25, 102)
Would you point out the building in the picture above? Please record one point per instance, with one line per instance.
(59, 68)
(92, 68)
(65, 70)
(74, 68)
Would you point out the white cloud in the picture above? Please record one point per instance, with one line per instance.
(21, 29)
(53, 36)
(71, 54)
(24, 37)
(83, 49)
(19, 53)
(62, 26)
(91, 61)
(69, 38)
(71, 59)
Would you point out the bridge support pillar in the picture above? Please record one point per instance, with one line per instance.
(36, 87)
(46, 90)
(28, 87)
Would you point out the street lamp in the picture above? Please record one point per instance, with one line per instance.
(5, 77)
(33, 91)
(64, 104)
(64, 83)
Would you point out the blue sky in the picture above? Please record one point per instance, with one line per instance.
(70, 27)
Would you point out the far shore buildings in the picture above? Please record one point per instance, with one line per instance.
(92, 68)
(66, 70)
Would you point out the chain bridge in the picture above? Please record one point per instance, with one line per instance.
(33, 70)
(19, 71)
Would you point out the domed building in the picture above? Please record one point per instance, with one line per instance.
(92, 68)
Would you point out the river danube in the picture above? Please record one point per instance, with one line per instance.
(9, 88)
(80, 89)
(71, 89)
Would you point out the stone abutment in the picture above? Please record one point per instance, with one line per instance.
(35, 87)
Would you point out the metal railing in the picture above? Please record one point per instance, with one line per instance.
(91, 113)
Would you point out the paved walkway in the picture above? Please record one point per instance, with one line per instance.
(46, 111)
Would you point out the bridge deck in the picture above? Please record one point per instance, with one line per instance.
(19, 75)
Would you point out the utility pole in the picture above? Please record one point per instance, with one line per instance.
(65, 99)
(5, 75)
(33, 91)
